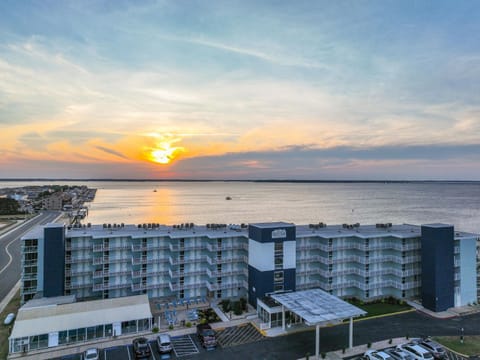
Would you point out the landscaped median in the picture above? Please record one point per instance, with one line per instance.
(383, 307)
(469, 347)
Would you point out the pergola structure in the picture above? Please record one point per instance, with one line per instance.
(316, 307)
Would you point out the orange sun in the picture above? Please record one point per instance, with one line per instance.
(164, 153)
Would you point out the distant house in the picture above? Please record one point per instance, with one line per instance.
(53, 202)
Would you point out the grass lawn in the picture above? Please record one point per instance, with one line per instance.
(470, 346)
(374, 309)
(12, 306)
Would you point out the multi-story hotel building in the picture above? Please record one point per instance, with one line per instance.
(433, 263)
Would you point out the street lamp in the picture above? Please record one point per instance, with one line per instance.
(461, 335)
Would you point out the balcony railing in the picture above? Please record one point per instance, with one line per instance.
(146, 260)
(76, 286)
(225, 260)
(138, 273)
(77, 273)
(101, 274)
(29, 262)
(177, 274)
(215, 274)
(226, 285)
(110, 247)
(29, 276)
(76, 260)
(359, 246)
(29, 249)
(177, 286)
(226, 247)
(140, 287)
(29, 290)
(101, 287)
(189, 247)
(186, 260)
(78, 247)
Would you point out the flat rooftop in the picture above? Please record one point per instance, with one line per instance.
(233, 230)
(43, 318)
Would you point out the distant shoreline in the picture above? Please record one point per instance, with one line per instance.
(252, 181)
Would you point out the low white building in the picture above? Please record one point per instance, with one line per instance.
(51, 322)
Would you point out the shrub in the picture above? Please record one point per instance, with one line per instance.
(324, 355)
(188, 324)
(390, 341)
(237, 308)
(170, 327)
(243, 302)
(343, 350)
(307, 356)
(226, 305)
(155, 330)
(369, 345)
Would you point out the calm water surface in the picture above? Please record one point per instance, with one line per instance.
(333, 203)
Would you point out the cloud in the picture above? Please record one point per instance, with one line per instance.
(111, 151)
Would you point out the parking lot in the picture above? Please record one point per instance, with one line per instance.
(237, 335)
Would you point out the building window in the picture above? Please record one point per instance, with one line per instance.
(278, 287)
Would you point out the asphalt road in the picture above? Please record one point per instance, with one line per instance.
(10, 267)
(294, 346)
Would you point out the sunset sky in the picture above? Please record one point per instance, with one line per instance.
(240, 89)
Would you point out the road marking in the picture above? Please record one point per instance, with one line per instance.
(128, 352)
(151, 352)
(9, 255)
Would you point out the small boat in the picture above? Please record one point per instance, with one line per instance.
(155, 190)
(228, 198)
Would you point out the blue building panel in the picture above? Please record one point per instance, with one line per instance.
(262, 282)
(272, 232)
(54, 261)
(437, 266)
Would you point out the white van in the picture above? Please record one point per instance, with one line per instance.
(418, 352)
(164, 344)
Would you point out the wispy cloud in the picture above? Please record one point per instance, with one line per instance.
(111, 151)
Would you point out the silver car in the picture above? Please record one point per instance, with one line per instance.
(91, 354)
(398, 354)
(164, 344)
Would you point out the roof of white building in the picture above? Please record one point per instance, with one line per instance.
(316, 306)
(43, 319)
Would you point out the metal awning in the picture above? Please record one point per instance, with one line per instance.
(316, 306)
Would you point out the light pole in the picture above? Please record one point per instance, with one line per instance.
(461, 335)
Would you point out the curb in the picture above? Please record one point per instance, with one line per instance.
(385, 315)
(9, 296)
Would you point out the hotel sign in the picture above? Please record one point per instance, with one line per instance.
(279, 234)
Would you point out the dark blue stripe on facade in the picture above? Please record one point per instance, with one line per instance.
(262, 282)
(437, 267)
(54, 261)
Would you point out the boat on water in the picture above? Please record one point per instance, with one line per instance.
(228, 198)
(155, 190)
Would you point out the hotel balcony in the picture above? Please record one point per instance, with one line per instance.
(186, 260)
(236, 272)
(235, 246)
(110, 247)
(29, 276)
(29, 249)
(77, 273)
(138, 273)
(29, 262)
(226, 285)
(109, 260)
(78, 247)
(101, 274)
(148, 247)
(146, 260)
(29, 290)
(101, 287)
(141, 287)
(177, 287)
(76, 286)
(360, 272)
(76, 260)
(176, 247)
(177, 274)
(359, 246)
(226, 260)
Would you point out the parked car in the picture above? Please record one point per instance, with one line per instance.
(418, 352)
(141, 349)
(164, 344)
(9, 319)
(377, 355)
(398, 354)
(206, 335)
(91, 354)
(436, 349)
